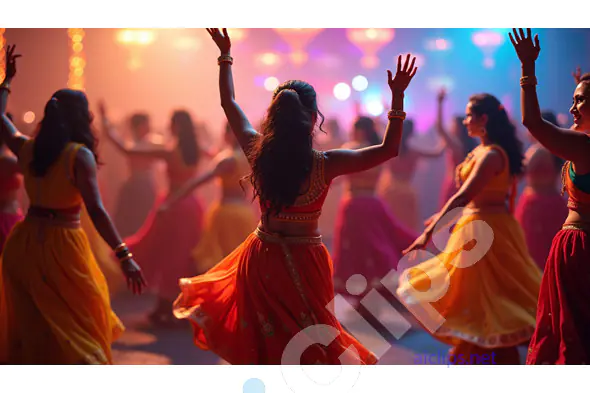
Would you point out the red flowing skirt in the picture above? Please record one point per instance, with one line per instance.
(250, 307)
(562, 335)
(368, 241)
(541, 217)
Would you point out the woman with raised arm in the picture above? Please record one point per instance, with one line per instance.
(278, 282)
(368, 239)
(54, 300)
(397, 189)
(484, 284)
(137, 196)
(541, 209)
(230, 220)
(11, 181)
(562, 335)
(166, 239)
(459, 144)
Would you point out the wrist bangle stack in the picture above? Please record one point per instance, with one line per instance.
(122, 253)
(225, 59)
(5, 86)
(396, 114)
(528, 81)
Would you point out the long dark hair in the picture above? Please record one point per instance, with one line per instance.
(282, 156)
(188, 143)
(66, 119)
(367, 126)
(501, 131)
(467, 142)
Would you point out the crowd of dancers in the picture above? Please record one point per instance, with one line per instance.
(509, 271)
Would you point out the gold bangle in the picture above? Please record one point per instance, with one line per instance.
(5, 87)
(396, 114)
(528, 81)
(225, 59)
(126, 258)
(120, 247)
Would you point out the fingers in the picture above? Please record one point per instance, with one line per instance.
(413, 73)
(399, 63)
(522, 36)
(412, 64)
(512, 39)
(389, 76)
(528, 34)
(225, 33)
(537, 45)
(406, 63)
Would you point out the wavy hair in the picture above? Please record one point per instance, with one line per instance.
(500, 130)
(282, 156)
(188, 142)
(367, 127)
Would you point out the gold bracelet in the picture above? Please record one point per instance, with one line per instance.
(126, 258)
(120, 247)
(225, 59)
(528, 81)
(5, 86)
(396, 114)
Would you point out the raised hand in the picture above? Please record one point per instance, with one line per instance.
(442, 94)
(221, 40)
(526, 50)
(403, 76)
(11, 61)
(577, 74)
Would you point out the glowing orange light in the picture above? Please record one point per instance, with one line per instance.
(298, 39)
(2, 56)
(135, 37)
(370, 41)
(29, 117)
(237, 35)
(77, 62)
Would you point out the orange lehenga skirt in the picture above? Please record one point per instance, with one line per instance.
(250, 306)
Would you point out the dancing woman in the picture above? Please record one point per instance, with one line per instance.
(54, 300)
(541, 209)
(228, 221)
(397, 190)
(459, 144)
(138, 194)
(166, 239)
(278, 282)
(368, 239)
(562, 335)
(10, 183)
(486, 297)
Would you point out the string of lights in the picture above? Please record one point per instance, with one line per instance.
(76, 79)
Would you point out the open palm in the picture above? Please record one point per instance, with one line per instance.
(11, 61)
(221, 39)
(403, 75)
(526, 49)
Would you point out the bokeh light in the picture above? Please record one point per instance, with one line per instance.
(360, 83)
(29, 117)
(342, 91)
(271, 83)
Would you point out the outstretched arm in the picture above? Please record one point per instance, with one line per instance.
(343, 161)
(154, 151)
(224, 166)
(567, 144)
(484, 170)
(449, 141)
(85, 180)
(8, 132)
(238, 121)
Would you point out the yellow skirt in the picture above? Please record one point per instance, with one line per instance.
(103, 255)
(226, 227)
(467, 294)
(54, 300)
